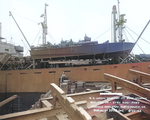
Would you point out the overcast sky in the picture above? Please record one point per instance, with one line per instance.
(71, 19)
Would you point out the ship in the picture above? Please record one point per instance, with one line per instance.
(84, 49)
(30, 84)
(9, 48)
(8, 51)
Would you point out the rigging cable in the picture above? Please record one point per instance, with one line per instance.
(125, 35)
(26, 18)
(10, 30)
(135, 41)
(102, 33)
(26, 47)
(50, 46)
(39, 39)
(36, 36)
(138, 35)
(51, 37)
(127, 38)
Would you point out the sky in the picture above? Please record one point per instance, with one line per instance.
(72, 19)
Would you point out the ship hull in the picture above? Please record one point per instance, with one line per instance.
(32, 83)
(105, 50)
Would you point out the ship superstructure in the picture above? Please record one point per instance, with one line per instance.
(5, 47)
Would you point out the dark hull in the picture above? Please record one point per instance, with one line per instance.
(106, 50)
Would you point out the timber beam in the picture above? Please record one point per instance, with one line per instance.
(76, 96)
(140, 75)
(32, 114)
(46, 104)
(68, 104)
(8, 100)
(40, 113)
(69, 107)
(128, 85)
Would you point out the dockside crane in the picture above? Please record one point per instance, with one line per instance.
(10, 14)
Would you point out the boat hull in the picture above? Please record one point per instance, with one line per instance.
(105, 50)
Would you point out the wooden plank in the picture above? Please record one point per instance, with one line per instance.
(135, 115)
(78, 97)
(32, 114)
(100, 116)
(46, 103)
(132, 113)
(62, 117)
(68, 104)
(81, 102)
(135, 88)
(138, 116)
(8, 100)
(146, 75)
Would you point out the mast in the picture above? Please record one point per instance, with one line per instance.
(117, 24)
(114, 12)
(44, 25)
(118, 10)
(120, 24)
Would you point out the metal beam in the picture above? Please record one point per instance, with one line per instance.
(19, 29)
(128, 85)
